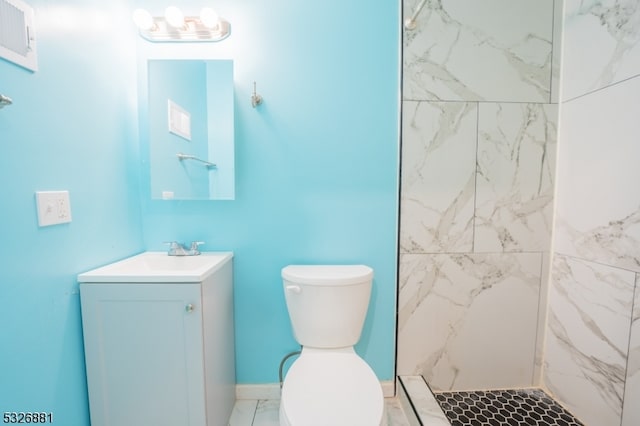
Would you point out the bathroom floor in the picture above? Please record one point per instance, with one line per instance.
(514, 407)
(415, 404)
(248, 412)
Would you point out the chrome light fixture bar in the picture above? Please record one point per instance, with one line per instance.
(175, 27)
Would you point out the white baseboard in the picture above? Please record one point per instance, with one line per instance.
(272, 390)
(259, 391)
(388, 388)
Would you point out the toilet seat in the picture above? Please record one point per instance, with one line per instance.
(331, 387)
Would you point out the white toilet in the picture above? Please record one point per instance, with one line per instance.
(329, 384)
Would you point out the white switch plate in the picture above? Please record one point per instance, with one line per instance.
(53, 207)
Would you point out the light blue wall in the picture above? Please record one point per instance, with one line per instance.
(72, 127)
(316, 179)
(316, 167)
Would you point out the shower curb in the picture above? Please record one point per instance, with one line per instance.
(418, 402)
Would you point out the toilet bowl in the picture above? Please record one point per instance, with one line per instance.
(331, 387)
(329, 384)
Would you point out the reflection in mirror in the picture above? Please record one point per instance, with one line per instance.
(191, 139)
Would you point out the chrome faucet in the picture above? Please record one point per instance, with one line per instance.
(179, 249)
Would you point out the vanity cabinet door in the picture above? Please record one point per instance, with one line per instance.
(144, 354)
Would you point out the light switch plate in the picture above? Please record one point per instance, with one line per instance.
(53, 207)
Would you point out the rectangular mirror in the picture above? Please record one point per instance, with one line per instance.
(191, 129)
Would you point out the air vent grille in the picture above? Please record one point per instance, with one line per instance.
(17, 38)
(13, 32)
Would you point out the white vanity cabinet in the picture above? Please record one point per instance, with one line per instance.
(159, 353)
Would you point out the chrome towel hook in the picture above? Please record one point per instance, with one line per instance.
(4, 101)
(255, 98)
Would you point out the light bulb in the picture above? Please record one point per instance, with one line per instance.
(209, 17)
(143, 19)
(174, 17)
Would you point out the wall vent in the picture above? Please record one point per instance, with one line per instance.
(17, 35)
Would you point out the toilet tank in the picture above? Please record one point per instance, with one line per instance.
(327, 303)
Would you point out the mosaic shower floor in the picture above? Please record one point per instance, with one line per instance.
(515, 407)
(527, 407)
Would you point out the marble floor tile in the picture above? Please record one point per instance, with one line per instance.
(243, 412)
(423, 401)
(266, 413)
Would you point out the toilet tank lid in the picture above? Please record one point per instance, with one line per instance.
(327, 274)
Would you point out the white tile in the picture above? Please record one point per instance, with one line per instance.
(405, 401)
(494, 50)
(598, 201)
(631, 408)
(468, 321)
(515, 177)
(394, 415)
(542, 320)
(556, 60)
(587, 338)
(243, 412)
(601, 44)
(267, 413)
(438, 176)
(426, 406)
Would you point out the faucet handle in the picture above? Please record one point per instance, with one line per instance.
(175, 248)
(194, 247)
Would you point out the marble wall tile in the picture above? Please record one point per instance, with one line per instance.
(515, 177)
(494, 50)
(556, 54)
(468, 321)
(587, 338)
(601, 44)
(597, 197)
(438, 176)
(543, 304)
(631, 408)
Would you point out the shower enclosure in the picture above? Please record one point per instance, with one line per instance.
(520, 213)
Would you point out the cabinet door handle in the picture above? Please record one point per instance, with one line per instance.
(189, 308)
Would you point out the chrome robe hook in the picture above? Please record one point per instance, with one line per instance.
(255, 98)
(4, 101)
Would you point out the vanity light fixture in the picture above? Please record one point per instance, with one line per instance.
(174, 26)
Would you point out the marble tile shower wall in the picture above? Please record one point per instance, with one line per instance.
(479, 136)
(592, 356)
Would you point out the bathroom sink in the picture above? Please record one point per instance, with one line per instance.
(155, 267)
